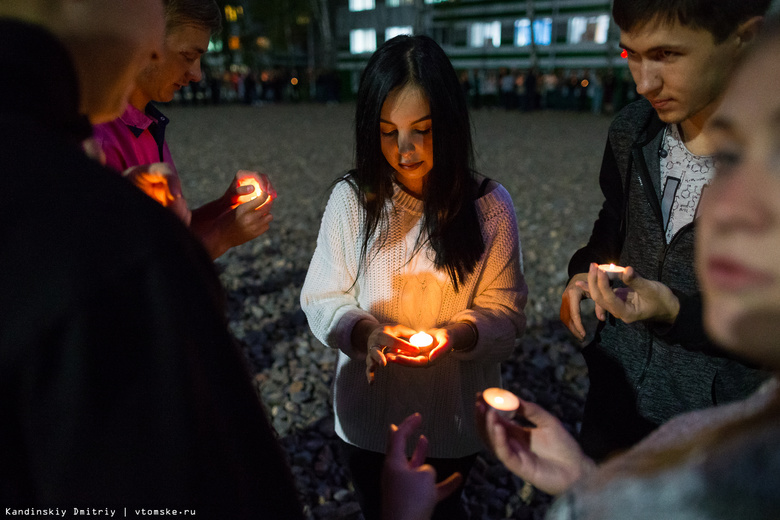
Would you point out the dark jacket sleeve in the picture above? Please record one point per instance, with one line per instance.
(606, 239)
(134, 394)
(688, 329)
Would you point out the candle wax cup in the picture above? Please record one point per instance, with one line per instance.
(613, 271)
(502, 401)
(422, 340)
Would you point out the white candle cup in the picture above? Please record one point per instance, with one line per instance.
(613, 271)
(421, 340)
(505, 403)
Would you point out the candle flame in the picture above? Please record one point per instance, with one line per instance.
(421, 340)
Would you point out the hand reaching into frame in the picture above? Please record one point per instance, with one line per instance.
(409, 488)
(543, 453)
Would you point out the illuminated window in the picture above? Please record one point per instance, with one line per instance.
(392, 32)
(397, 3)
(263, 42)
(231, 13)
(542, 31)
(591, 29)
(362, 40)
(435, 1)
(361, 5)
(482, 34)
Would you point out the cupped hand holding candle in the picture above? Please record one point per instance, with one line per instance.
(259, 181)
(505, 403)
(382, 343)
(249, 179)
(614, 272)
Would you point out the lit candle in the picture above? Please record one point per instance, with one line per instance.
(613, 271)
(248, 181)
(421, 340)
(502, 401)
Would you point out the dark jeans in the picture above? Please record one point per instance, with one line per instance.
(366, 469)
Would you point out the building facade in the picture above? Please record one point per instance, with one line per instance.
(487, 39)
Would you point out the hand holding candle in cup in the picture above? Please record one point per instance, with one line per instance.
(504, 402)
(383, 341)
(640, 298)
(260, 187)
(534, 445)
(160, 182)
(422, 351)
(395, 343)
(241, 214)
(428, 353)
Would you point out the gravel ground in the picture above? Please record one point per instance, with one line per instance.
(548, 161)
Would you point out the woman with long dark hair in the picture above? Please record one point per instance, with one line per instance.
(413, 239)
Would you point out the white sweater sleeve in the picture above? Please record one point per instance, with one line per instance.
(501, 292)
(328, 296)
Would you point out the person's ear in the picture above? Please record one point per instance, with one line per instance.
(748, 30)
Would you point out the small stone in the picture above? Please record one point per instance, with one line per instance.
(341, 495)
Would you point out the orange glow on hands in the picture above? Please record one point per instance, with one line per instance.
(156, 186)
(248, 181)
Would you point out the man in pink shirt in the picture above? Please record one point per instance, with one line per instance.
(135, 142)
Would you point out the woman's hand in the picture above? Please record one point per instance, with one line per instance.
(386, 344)
(415, 357)
(458, 336)
(384, 339)
(544, 454)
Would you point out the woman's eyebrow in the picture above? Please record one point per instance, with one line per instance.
(424, 118)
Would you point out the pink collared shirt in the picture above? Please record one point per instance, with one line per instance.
(127, 141)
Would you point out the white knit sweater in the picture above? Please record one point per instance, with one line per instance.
(396, 288)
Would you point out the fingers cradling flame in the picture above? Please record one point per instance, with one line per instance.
(248, 180)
